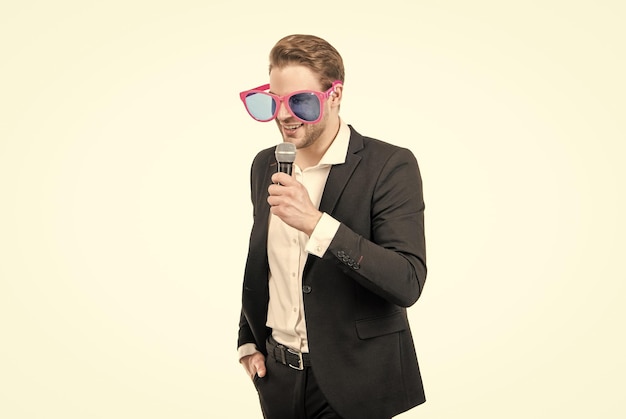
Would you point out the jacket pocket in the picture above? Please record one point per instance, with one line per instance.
(379, 326)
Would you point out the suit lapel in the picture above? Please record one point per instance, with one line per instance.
(257, 255)
(263, 208)
(340, 174)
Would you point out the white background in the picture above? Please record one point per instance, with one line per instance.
(125, 212)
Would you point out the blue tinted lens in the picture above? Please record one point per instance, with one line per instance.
(305, 106)
(261, 106)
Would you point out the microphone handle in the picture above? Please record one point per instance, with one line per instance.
(285, 167)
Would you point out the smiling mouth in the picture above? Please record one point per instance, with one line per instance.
(292, 127)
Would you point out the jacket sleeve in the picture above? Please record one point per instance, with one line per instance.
(245, 334)
(391, 261)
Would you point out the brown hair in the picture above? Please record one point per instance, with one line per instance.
(312, 52)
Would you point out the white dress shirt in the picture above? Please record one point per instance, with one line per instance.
(288, 249)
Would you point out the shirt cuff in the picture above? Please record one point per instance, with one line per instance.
(246, 349)
(323, 234)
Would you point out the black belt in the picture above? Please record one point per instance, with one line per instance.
(287, 356)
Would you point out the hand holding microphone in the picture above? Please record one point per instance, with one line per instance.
(289, 199)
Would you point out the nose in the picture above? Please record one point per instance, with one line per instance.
(283, 113)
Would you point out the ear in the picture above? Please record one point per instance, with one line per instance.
(336, 95)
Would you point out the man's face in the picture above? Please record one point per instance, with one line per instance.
(290, 79)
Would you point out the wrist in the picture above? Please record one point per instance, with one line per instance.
(314, 221)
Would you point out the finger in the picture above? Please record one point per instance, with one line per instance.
(281, 178)
(250, 370)
(261, 370)
(276, 189)
(273, 189)
(273, 200)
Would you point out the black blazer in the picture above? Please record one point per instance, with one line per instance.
(360, 344)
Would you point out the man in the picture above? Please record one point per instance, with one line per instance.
(336, 253)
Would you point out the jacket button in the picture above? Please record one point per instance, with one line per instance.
(306, 289)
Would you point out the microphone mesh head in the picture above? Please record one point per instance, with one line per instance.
(285, 153)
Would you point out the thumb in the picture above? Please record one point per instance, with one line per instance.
(260, 369)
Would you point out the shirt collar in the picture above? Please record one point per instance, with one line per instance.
(336, 153)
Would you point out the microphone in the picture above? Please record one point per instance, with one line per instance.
(285, 156)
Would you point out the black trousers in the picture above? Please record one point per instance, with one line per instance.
(287, 393)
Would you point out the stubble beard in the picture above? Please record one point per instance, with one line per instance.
(311, 135)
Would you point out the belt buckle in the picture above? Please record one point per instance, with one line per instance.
(300, 365)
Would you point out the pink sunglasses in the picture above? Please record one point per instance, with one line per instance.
(304, 105)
